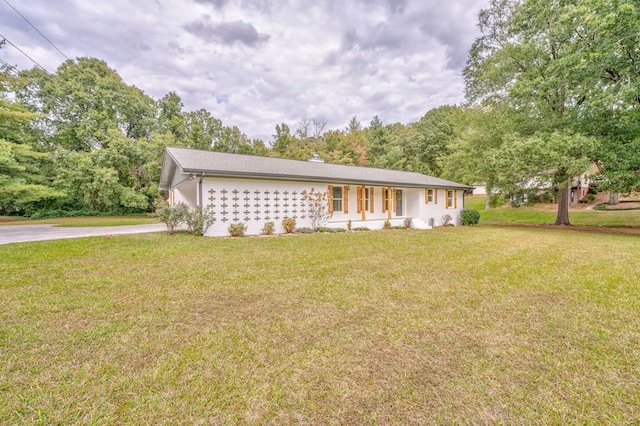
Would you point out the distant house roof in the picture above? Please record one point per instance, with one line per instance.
(220, 164)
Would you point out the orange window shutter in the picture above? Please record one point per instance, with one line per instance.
(393, 200)
(359, 199)
(330, 198)
(426, 195)
(435, 196)
(345, 199)
(455, 199)
(371, 192)
(384, 200)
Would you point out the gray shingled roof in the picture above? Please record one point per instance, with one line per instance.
(251, 166)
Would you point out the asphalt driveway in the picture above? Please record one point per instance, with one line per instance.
(25, 233)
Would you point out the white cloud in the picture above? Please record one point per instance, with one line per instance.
(256, 63)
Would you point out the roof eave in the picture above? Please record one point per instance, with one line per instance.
(278, 176)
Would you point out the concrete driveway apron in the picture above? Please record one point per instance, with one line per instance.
(25, 233)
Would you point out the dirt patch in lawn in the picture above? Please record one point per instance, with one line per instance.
(7, 219)
(576, 228)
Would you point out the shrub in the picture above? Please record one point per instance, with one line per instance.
(326, 230)
(446, 220)
(172, 216)
(289, 224)
(387, 225)
(304, 230)
(349, 225)
(361, 228)
(47, 214)
(408, 223)
(470, 217)
(432, 222)
(237, 229)
(268, 228)
(199, 220)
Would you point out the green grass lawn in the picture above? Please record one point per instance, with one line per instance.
(82, 221)
(546, 214)
(453, 325)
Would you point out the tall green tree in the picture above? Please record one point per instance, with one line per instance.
(437, 128)
(378, 140)
(475, 154)
(608, 66)
(171, 117)
(100, 132)
(83, 100)
(524, 60)
(202, 130)
(22, 183)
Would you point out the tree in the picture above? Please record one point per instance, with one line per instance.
(524, 61)
(609, 35)
(18, 167)
(354, 125)
(203, 131)
(437, 128)
(282, 139)
(83, 100)
(378, 140)
(22, 184)
(317, 207)
(170, 116)
(475, 154)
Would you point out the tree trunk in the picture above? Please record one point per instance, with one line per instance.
(489, 189)
(563, 205)
(613, 198)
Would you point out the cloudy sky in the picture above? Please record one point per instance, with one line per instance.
(256, 63)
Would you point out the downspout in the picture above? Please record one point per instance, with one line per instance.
(199, 200)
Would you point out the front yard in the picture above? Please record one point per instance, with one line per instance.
(452, 325)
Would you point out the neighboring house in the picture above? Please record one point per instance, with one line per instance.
(580, 185)
(479, 189)
(254, 190)
(536, 188)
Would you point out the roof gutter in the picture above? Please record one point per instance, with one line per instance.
(250, 175)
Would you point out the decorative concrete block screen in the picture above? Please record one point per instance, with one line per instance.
(236, 205)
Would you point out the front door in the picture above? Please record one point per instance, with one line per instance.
(399, 203)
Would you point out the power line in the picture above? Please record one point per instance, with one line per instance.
(11, 68)
(21, 51)
(33, 26)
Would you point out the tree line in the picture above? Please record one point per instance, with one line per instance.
(550, 86)
(82, 141)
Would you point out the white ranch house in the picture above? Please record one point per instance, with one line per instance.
(254, 190)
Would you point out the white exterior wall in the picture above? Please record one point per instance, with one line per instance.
(186, 193)
(438, 210)
(245, 200)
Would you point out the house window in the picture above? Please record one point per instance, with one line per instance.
(337, 198)
(430, 196)
(366, 199)
(451, 199)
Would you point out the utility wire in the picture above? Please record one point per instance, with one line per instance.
(33, 26)
(11, 68)
(21, 51)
